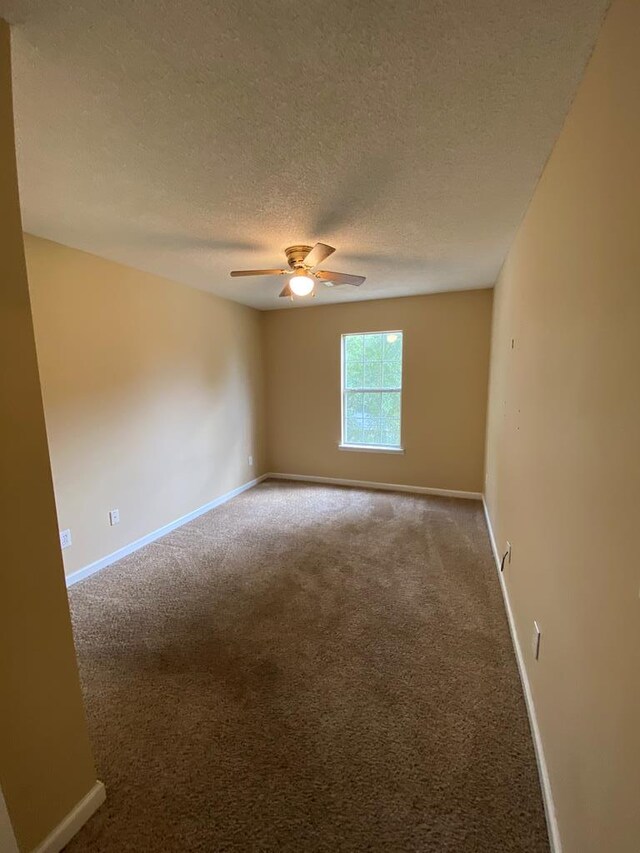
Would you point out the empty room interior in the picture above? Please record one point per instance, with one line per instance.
(320, 421)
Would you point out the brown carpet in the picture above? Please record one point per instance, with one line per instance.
(308, 669)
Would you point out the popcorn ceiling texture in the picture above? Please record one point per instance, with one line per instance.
(309, 669)
(191, 138)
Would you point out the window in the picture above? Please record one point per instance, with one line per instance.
(371, 390)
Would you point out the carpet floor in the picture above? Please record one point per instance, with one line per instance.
(308, 668)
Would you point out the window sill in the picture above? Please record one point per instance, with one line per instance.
(370, 448)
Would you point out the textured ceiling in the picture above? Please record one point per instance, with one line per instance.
(190, 138)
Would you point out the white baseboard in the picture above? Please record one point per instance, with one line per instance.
(103, 562)
(545, 783)
(389, 487)
(77, 817)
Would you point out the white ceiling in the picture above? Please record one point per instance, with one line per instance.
(190, 138)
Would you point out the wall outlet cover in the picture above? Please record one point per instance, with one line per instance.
(65, 538)
(114, 517)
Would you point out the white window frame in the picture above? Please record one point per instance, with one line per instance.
(368, 448)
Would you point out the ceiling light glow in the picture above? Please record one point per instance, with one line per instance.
(301, 284)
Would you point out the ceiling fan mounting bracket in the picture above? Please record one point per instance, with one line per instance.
(296, 255)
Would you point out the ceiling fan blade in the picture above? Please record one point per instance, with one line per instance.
(317, 255)
(340, 277)
(286, 291)
(259, 272)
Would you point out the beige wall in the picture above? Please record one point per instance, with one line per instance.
(152, 393)
(563, 449)
(446, 354)
(45, 759)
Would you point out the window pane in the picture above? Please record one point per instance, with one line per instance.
(354, 374)
(390, 404)
(392, 374)
(373, 347)
(373, 374)
(372, 432)
(390, 432)
(354, 433)
(354, 347)
(353, 404)
(371, 405)
(392, 347)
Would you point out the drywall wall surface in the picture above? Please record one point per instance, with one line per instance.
(153, 395)
(46, 765)
(563, 450)
(445, 370)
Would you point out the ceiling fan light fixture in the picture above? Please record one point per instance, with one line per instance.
(301, 284)
(303, 263)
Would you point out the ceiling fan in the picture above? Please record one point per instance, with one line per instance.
(303, 261)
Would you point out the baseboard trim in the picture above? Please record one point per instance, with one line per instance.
(103, 562)
(387, 487)
(77, 817)
(545, 782)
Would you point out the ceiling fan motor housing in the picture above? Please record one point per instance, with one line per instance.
(296, 255)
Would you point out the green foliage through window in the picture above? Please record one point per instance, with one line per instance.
(372, 387)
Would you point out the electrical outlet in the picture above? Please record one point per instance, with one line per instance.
(508, 552)
(535, 641)
(251, 460)
(65, 538)
(114, 517)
